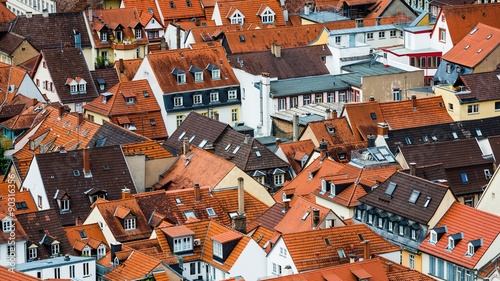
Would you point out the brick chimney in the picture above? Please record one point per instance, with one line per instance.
(197, 192)
(239, 222)
(334, 114)
(414, 102)
(80, 118)
(328, 114)
(315, 218)
(241, 196)
(86, 163)
(126, 193)
(413, 168)
(323, 149)
(366, 249)
(185, 146)
(61, 112)
(371, 140)
(78, 221)
(383, 130)
(278, 142)
(122, 67)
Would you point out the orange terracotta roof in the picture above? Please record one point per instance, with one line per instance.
(475, 47)
(152, 150)
(202, 167)
(127, 68)
(17, 235)
(262, 235)
(92, 236)
(144, 113)
(303, 185)
(459, 219)
(252, 11)
(227, 236)
(23, 199)
(402, 114)
(164, 62)
(136, 266)
(121, 212)
(209, 33)
(299, 217)
(360, 117)
(228, 198)
(309, 249)
(180, 230)
(459, 16)
(143, 6)
(6, 272)
(180, 10)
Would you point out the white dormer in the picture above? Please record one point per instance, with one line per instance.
(7, 225)
(267, 16)
(433, 237)
(237, 17)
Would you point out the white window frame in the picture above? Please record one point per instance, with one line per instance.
(197, 99)
(65, 205)
(232, 94)
(55, 249)
(381, 34)
(216, 74)
(234, 114)
(138, 33)
(411, 261)
(390, 226)
(370, 219)
(217, 249)
(129, 224)
(182, 244)
(267, 16)
(238, 18)
(7, 226)
(473, 109)
(259, 179)
(198, 76)
(279, 179)
(401, 230)
(33, 253)
(179, 119)
(181, 78)
(86, 269)
(369, 36)
(214, 96)
(178, 101)
(86, 251)
(101, 251)
(433, 237)
(82, 87)
(104, 36)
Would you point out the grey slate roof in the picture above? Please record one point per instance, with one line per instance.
(110, 174)
(398, 204)
(303, 85)
(444, 77)
(54, 31)
(359, 70)
(9, 42)
(110, 134)
(482, 86)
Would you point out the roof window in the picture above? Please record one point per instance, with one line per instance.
(414, 196)
(390, 189)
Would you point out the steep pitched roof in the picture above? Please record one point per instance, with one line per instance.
(461, 18)
(405, 186)
(460, 219)
(9, 42)
(17, 233)
(475, 46)
(300, 218)
(113, 213)
(363, 117)
(482, 86)
(180, 9)
(286, 65)
(6, 16)
(143, 113)
(310, 249)
(142, 6)
(137, 266)
(109, 175)
(198, 166)
(110, 134)
(269, 218)
(23, 200)
(152, 150)
(69, 63)
(62, 28)
(228, 199)
(251, 11)
(106, 75)
(81, 235)
(163, 63)
(127, 69)
(296, 151)
(403, 114)
(42, 224)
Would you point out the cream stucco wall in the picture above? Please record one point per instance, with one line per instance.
(96, 217)
(98, 118)
(446, 203)
(488, 201)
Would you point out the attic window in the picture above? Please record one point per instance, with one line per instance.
(178, 200)
(427, 201)
(472, 247)
(330, 129)
(341, 253)
(434, 138)
(327, 242)
(76, 173)
(105, 167)
(172, 4)
(180, 75)
(7, 226)
(211, 212)
(455, 136)
(227, 147)
(192, 138)
(129, 224)
(390, 189)
(360, 236)
(473, 31)
(152, 122)
(181, 136)
(189, 214)
(242, 38)
(189, 4)
(414, 196)
(257, 153)
(373, 116)
(464, 177)
(488, 37)
(304, 217)
(145, 93)
(202, 143)
(479, 133)
(150, 10)
(236, 149)
(453, 240)
(21, 205)
(82, 234)
(407, 140)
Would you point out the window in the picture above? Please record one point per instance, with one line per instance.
(72, 88)
(138, 33)
(279, 179)
(401, 231)
(469, 201)
(370, 219)
(179, 119)
(473, 109)
(497, 105)
(342, 97)
(433, 237)
(39, 201)
(189, 214)
(86, 251)
(260, 179)
(307, 99)
(101, 251)
(86, 269)
(197, 99)
(319, 98)
(181, 78)
(276, 269)
(177, 101)
(464, 177)
(65, 205)
(338, 40)
(234, 115)
(396, 94)
(369, 36)
(390, 226)
(55, 249)
(380, 222)
(281, 104)
(129, 224)
(211, 212)
(411, 261)
(214, 96)
(119, 35)
(237, 18)
(381, 35)
(182, 244)
(442, 35)
(104, 36)
(72, 271)
(413, 234)
(7, 226)
(217, 249)
(232, 94)
(331, 97)
(33, 253)
(393, 33)
(267, 16)
(198, 76)
(358, 214)
(414, 196)
(57, 272)
(450, 106)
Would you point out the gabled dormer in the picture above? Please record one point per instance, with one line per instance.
(118, 33)
(180, 239)
(453, 240)
(436, 234)
(197, 73)
(267, 16)
(214, 71)
(53, 243)
(77, 85)
(237, 17)
(7, 224)
(473, 246)
(223, 244)
(103, 34)
(126, 217)
(63, 199)
(325, 186)
(180, 75)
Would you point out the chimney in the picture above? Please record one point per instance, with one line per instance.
(276, 50)
(383, 130)
(366, 249)
(66, 257)
(115, 247)
(86, 162)
(91, 14)
(323, 148)
(414, 102)
(185, 146)
(413, 168)
(78, 221)
(126, 193)
(197, 192)
(122, 67)
(372, 98)
(241, 196)
(352, 258)
(328, 114)
(371, 140)
(247, 138)
(210, 148)
(295, 125)
(315, 218)
(334, 114)
(61, 112)
(278, 142)
(45, 13)
(389, 266)
(29, 15)
(80, 118)
(163, 44)
(306, 9)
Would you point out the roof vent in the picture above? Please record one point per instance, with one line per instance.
(472, 31)
(479, 51)
(488, 37)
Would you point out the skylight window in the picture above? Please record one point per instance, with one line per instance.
(341, 253)
(211, 212)
(360, 236)
(304, 217)
(82, 234)
(178, 200)
(327, 242)
(236, 149)
(189, 214)
(202, 143)
(192, 138)
(414, 196)
(434, 138)
(390, 189)
(257, 153)
(181, 136)
(227, 147)
(407, 140)
(479, 133)
(464, 177)
(427, 201)
(373, 116)
(455, 136)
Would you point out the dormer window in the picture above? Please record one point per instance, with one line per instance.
(278, 177)
(130, 100)
(182, 244)
(453, 240)
(433, 237)
(180, 76)
(7, 225)
(177, 101)
(451, 243)
(86, 251)
(197, 73)
(324, 186)
(55, 247)
(101, 251)
(237, 18)
(232, 94)
(214, 97)
(104, 36)
(267, 16)
(119, 35)
(214, 71)
(32, 252)
(473, 246)
(217, 249)
(65, 206)
(138, 33)
(129, 224)
(77, 85)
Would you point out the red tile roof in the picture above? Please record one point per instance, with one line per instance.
(174, 10)
(6, 16)
(252, 11)
(460, 219)
(93, 236)
(142, 6)
(360, 117)
(127, 68)
(152, 150)
(136, 266)
(475, 47)
(294, 221)
(7, 274)
(23, 199)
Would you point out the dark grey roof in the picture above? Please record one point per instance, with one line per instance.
(443, 77)
(111, 134)
(63, 172)
(304, 85)
(398, 203)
